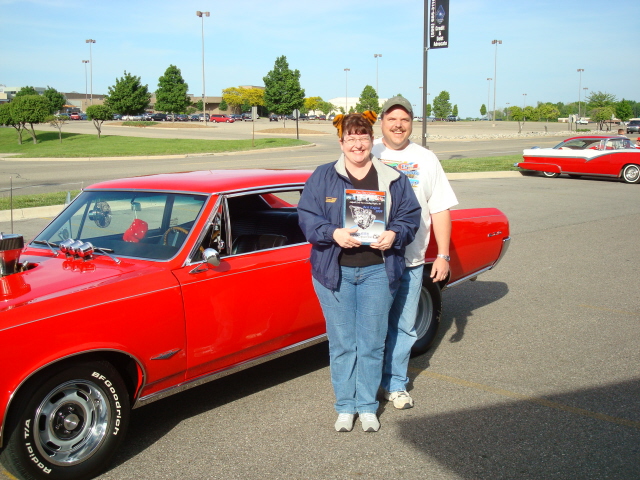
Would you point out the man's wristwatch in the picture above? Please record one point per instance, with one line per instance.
(446, 257)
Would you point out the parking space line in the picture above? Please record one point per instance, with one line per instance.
(537, 400)
(610, 310)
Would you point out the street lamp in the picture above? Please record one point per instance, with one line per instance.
(580, 70)
(346, 88)
(202, 15)
(376, 56)
(489, 94)
(524, 100)
(495, 66)
(85, 80)
(508, 111)
(90, 41)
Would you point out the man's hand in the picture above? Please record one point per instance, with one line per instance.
(440, 269)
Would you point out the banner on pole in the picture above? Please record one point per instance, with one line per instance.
(439, 24)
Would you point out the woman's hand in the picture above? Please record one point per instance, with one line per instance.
(343, 237)
(385, 240)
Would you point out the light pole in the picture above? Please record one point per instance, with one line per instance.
(508, 111)
(202, 15)
(346, 88)
(376, 56)
(580, 70)
(90, 41)
(524, 101)
(488, 94)
(85, 80)
(495, 67)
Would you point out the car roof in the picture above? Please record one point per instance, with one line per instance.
(207, 181)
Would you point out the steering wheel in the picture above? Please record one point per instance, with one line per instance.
(165, 237)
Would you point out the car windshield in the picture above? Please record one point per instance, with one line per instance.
(150, 225)
(578, 144)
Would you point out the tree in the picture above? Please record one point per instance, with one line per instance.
(441, 105)
(253, 96)
(128, 96)
(223, 107)
(517, 114)
(326, 107)
(368, 100)
(30, 109)
(56, 99)
(455, 110)
(99, 113)
(624, 110)
(483, 110)
(282, 92)
(602, 115)
(24, 91)
(547, 111)
(312, 103)
(57, 121)
(427, 110)
(600, 99)
(171, 95)
(234, 98)
(6, 119)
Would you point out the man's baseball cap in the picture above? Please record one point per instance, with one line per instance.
(397, 102)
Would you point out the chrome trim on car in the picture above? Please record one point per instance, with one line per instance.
(209, 377)
(503, 251)
(58, 360)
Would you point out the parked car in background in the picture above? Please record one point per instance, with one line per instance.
(181, 117)
(633, 126)
(303, 117)
(582, 121)
(157, 117)
(273, 117)
(145, 287)
(117, 116)
(202, 117)
(452, 118)
(221, 118)
(246, 117)
(592, 155)
(236, 116)
(312, 117)
(194, 117)
(75, 116)
(62, 116)
(322, 117)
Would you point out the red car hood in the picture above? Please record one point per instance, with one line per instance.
(56, 285)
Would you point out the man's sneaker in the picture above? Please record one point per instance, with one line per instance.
(401, 400)
(345, 422)
(369, 422)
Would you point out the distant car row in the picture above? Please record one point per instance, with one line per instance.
(196, 117)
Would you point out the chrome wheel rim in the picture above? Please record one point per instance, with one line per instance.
(71, 422)
(631, 173)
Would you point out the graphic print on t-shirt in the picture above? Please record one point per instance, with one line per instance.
(410, 169)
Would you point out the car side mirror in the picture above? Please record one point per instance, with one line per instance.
(211, 256)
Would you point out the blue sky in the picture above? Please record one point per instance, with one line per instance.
(42, 42)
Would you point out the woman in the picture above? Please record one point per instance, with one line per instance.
(355, 283)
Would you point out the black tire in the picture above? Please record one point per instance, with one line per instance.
(68, 425)
(575, 176)
(550, 174)
(428, 316)
(631, 173)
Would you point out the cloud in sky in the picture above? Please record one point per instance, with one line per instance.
(544, 43)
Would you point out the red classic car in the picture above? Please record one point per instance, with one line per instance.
(144, 287)
(593, 155)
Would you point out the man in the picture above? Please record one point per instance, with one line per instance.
(436, 198)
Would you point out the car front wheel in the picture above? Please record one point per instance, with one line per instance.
(631, 174)
(68, 425)
(550, 174)
(428, 316)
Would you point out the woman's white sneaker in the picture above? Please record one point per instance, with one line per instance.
(369, 422)
(401, 400)
(345, 422)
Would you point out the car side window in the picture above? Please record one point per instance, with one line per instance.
(264, 220)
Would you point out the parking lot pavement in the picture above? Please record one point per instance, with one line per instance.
(534, 373)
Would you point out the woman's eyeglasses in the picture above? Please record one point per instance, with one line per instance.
(365, 140)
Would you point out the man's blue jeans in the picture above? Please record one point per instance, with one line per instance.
(402, 332)
(357, 316)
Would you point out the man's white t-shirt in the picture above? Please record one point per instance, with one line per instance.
(430, 185)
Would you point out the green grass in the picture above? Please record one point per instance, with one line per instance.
(40, 200)
(482, 164)
(139, 123)
(75, 145)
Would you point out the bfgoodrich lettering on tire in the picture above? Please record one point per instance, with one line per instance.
(428, 316)
(69, 425)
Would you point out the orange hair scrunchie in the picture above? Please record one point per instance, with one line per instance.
(369, 115)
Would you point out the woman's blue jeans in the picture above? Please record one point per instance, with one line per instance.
(357, 316)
